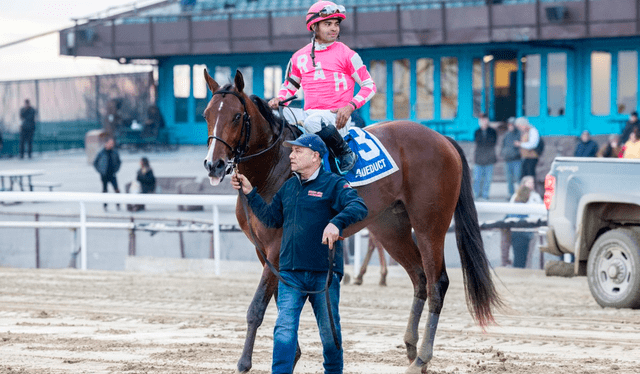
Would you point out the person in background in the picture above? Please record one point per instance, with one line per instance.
(612, 148)
(529, 139)
(520, 239)
(28, 128)
(631, 148)
(153, 124)
(485, 158)
(632, 124)
(146, 180)
(511, 155)
(586, 147)
(107, 163)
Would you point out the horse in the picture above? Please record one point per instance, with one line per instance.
(433, 185)
(372, 246)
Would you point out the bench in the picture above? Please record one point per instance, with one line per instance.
(49, 185)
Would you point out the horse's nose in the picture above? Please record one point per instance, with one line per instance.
(215, 168)
(208, 165)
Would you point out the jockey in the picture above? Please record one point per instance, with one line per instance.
(328, 70)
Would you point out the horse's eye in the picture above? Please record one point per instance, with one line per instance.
(237, 117)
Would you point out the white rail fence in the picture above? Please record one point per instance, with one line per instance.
(82, 198)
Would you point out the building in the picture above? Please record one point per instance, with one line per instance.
(567, 65)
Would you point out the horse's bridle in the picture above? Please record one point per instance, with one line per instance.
(238, 153)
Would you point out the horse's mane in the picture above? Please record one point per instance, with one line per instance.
(273, 119)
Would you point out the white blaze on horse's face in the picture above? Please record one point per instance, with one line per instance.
(209, 159)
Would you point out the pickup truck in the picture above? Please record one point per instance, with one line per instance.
(594, 213)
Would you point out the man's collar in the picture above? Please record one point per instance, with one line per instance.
(312, 177)
(322, 47)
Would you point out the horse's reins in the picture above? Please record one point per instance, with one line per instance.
(238, 154)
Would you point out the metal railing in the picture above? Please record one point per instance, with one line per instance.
(171, 199)
(85, 197)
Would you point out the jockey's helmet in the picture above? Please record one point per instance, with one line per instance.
(323, 10)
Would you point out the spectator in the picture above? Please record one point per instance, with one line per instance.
(632, 123)
(153, 124)
(612, 148)
(28, 128)
(511, 155)
(529, 139)
(485, 158)
(146, 182)
(107, 163)
(587, 147)
(631, 148)
(520, 239)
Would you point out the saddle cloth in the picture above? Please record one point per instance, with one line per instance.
(374, 162)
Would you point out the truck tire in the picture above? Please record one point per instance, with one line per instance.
(613, 270)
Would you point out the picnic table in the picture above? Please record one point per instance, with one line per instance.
(18, 177)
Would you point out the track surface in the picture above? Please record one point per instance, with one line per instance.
(67, 321)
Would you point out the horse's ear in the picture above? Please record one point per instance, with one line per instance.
(211, 83)
(239, 81)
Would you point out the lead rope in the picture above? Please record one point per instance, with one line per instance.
(334, 332)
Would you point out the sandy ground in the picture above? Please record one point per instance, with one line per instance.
(67, 321)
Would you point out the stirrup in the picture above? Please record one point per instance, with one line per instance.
(346, 162)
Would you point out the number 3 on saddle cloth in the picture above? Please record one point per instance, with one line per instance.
(374, 162)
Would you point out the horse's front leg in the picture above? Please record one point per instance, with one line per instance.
(255, 315)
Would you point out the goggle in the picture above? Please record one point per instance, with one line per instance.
(330, 10)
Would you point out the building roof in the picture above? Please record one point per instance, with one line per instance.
(203, 10)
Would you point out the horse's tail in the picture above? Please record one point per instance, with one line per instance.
(479, 287)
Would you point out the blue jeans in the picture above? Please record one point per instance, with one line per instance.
(482, 176)
(520, 241)
(514, 169)
(290, 303)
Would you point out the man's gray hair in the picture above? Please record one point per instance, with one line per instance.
(522, 121)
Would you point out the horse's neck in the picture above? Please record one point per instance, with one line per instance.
(269, 171)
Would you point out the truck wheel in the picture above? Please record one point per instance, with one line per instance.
(613, 270)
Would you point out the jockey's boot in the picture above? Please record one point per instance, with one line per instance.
(338, 148)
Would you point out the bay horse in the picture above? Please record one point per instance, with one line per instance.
(432, 185)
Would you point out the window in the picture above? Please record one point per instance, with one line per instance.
(378, 106)
(424, 81)
(181, 91)
(449, 87)
(247, 74)
(223, 75)
(272, 81)
(531, 67)
(477, 86)
(200, 91)
(600, 83)
(401, 86)
(627, 81)
(556, 84)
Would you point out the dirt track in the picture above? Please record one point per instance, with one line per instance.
(63, 321)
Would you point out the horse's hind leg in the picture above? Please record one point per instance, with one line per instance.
(363, 268)
(383, 266)
(394, 233)
(438, 283)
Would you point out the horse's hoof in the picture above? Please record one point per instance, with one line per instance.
(417, 367)
(346, 279)
(412, 352)
(243, 367)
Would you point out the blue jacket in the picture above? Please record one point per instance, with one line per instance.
(586, 149)
(303, 210)
(102, 160)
